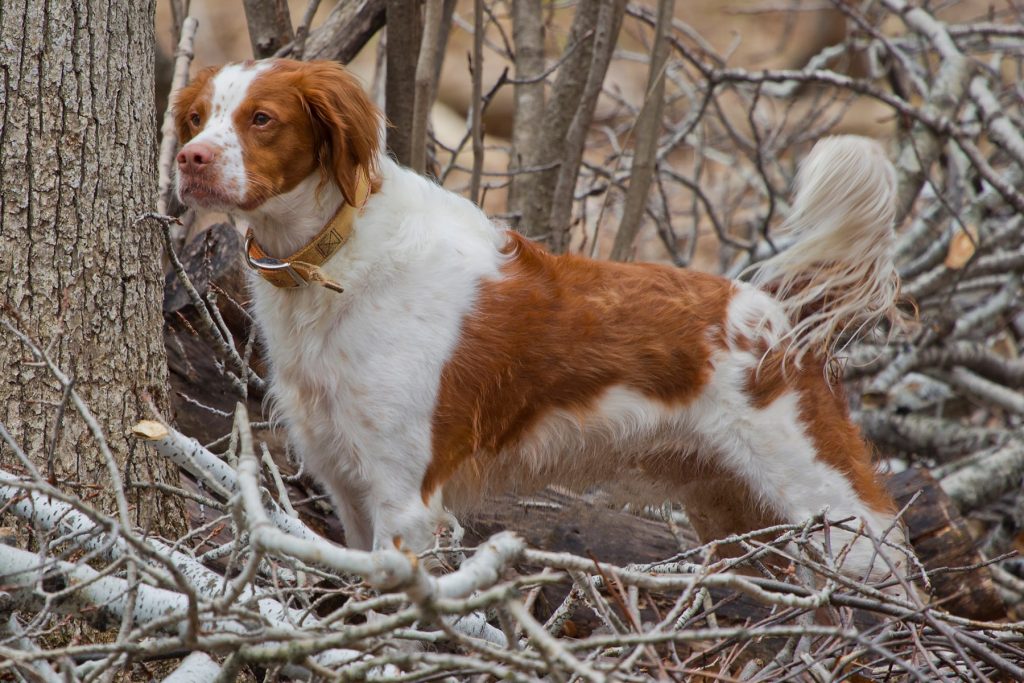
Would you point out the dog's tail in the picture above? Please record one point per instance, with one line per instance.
(838, 278)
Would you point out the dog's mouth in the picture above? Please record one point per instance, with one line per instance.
(200, 192)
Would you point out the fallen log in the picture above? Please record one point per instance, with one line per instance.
(944, 544)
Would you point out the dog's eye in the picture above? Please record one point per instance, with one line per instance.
(194, 118)
(260, 118)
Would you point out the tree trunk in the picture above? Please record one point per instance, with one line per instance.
(270, 26)
(405, 28)
(78, 273)
(528, 35)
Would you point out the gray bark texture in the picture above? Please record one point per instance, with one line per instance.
(346, 30)
(78, 273)
(270, 26)
(534, 191)
(528, 34)
(544, 197)
(405, 27)
(645, 136)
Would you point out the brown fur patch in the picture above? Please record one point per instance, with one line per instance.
(556, 332)
(320, 118)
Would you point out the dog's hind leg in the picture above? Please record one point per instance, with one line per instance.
(720, 505)
(797, 455)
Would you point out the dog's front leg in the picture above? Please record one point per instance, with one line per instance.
(350, 507)
(404, 522)
(401, 517)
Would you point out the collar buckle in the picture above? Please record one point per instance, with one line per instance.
(302, 268)
(272, 265)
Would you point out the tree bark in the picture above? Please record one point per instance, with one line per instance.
(606, 33)
(544, 193)
(645, 134)
(430, 53)
(78, 273)
(348, 27)
(270, 26)
(528, 36)
(405, 28)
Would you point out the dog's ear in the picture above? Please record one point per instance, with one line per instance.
(346, 124)
(187, 99)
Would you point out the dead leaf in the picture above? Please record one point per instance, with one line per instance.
(961, 247)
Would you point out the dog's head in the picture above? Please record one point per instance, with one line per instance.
(254, 130)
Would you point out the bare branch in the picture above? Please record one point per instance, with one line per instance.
(535, 191)
(528, 35)
(168, 134)
(645, 131)
(606, 33)
(476, 120)
(302, 32)
(348, 27)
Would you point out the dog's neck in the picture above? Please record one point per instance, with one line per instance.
(287, 222)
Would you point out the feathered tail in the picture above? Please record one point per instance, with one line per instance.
(838, 278)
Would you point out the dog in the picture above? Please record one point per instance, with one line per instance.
(423, 358)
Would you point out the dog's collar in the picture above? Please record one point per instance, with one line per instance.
(302, 268)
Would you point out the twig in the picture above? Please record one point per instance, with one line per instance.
(299, 44)
(168, 133)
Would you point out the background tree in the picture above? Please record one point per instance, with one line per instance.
(79, 274)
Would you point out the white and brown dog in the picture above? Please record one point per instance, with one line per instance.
(422, 357)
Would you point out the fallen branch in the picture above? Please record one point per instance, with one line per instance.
(987, 479)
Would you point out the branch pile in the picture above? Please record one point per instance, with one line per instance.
(280, 599)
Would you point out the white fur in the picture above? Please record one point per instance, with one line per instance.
(755, 315)
(286, 222)
(841, 260)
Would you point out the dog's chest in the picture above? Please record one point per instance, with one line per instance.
(356, 382)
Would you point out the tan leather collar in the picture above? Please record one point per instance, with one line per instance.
(303, 267)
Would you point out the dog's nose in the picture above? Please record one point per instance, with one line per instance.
(195, 156)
